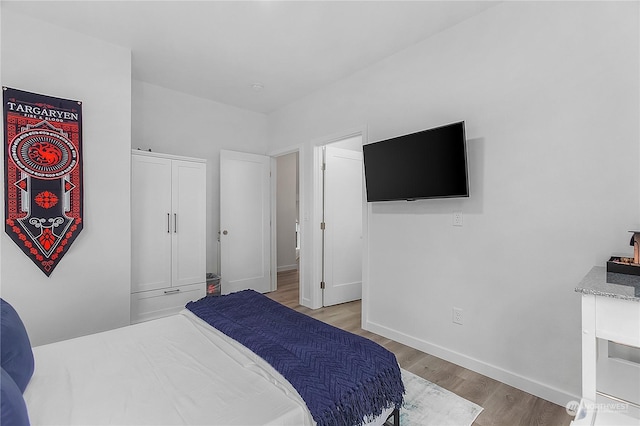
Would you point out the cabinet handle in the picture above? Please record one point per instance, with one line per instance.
(168, 223)
(171, 291)
(175, 223)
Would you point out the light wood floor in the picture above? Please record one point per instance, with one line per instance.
(503, 404)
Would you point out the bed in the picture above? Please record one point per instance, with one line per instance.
(175, 370)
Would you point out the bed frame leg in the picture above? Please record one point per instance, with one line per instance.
(396, 418)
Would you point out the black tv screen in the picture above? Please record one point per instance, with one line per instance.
(427, 164)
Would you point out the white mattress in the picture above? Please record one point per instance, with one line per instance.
(171, 371)
(164, 372)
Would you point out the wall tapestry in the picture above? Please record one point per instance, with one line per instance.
(43, 174)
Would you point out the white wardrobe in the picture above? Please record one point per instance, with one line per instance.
(168, 231)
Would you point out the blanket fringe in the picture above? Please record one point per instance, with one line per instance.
(366, 401)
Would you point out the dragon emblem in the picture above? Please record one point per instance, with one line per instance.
(45, 154)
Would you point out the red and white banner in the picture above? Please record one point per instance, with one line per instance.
(43, 174)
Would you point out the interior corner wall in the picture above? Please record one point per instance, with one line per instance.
(172, 122)
(89, 291)
(549, 92)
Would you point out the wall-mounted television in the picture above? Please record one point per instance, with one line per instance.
(428, 164)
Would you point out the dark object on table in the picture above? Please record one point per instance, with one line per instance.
(623, 265)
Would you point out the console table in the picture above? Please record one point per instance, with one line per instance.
(610, 384)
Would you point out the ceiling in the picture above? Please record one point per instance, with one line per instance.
(220, 50)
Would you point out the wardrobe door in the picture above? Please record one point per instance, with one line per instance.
(151, 223)
(189, 222)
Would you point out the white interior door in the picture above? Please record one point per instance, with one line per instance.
(245, 222)
(343, 226)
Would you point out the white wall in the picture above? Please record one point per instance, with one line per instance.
(172, 122)
(549, 92)
(286, 211)
(89, 289)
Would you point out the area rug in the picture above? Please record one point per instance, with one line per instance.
(428, 404)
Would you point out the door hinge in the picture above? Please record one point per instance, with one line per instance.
(324, 166)
(322, 285)
(322, 225)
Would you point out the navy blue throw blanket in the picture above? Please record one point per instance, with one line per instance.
(342, 377)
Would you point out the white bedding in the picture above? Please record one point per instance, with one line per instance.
(170, 371)
(163, 372)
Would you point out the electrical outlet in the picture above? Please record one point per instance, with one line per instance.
(457, 218)
(457, 316)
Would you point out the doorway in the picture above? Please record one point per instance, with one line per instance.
(309, 255)
(287, 212)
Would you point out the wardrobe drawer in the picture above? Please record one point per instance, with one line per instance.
(153, 304)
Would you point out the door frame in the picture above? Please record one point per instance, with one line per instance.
(273, 185)
(310, 214)
(317, 210)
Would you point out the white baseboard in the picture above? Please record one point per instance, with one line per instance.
(287, 267)
(541, 390)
